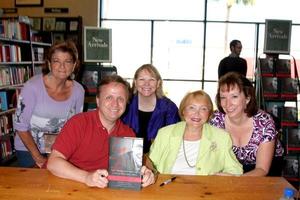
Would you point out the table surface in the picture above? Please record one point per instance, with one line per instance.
(21, 183)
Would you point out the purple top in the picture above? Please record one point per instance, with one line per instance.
(38, 113)
(165, 113)
(263, 131)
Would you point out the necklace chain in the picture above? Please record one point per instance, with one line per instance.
(185, 157)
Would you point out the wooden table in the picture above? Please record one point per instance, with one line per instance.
(20, 183)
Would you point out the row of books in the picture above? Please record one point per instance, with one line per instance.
(283, 88)
(14, 75)
(6, 149)
(53, 24)
(8, 99)
(6, 124)
(13, 29)
(38, 53)
(271, 66)
(10, 53)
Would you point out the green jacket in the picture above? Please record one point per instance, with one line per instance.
(215, 153)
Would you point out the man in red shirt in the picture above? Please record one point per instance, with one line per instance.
(80, 151)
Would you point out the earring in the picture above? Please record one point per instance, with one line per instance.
(72, 76)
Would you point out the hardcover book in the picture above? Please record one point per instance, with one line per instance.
(270, 87)
(293, 138)
(125, 162)
(292, 166)
(289, 116)
(283, 68)
(288, 88)
(267, 66)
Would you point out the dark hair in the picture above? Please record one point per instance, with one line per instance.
(114, 79)
(233, 43)
(65, 47)
(233, 79)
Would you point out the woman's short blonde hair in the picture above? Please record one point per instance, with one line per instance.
(154, 72)
(196, 95)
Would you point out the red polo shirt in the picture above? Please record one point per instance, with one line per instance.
(85, 142)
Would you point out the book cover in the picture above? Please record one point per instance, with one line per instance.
(270, 87)
(293, 138)
(3, 101)
(125, 162)
(283, 68)
(289, 116)
(288, 89)
(292, 166)
(267, 66)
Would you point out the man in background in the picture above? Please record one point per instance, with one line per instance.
(233, 62)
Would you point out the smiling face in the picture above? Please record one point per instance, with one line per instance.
(233, 101)
(111, 102)
(196, 112)
(146, 83)
(61, 64)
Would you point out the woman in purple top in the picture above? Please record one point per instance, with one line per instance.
(46, 102)
(252, 130)
(149, 109)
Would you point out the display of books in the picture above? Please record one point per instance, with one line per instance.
(125, 162)
(283, 68)
(292, 166)
(90, 80)
(270, 87)
(267, 66)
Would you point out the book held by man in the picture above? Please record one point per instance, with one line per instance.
(125, 162)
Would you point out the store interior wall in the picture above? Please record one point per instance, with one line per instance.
(87, 9)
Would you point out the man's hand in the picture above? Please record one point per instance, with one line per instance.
(148, 176)
(97, 178)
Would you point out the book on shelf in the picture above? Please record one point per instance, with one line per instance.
(288, 89)
(48, 23)
(8, 99)
(291, 167)
(60, 26)
(267, 66)
(6, 124)
(38, 53)
(6, 149)
(270, 87)
(73, 26)
(283, 68)
(289, 116)
(125, 162)
(292, 136)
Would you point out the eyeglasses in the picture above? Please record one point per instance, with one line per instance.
(194, 109)
(66, 63)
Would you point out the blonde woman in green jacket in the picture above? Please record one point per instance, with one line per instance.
(193, 147)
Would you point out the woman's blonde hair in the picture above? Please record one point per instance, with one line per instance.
(154, 72)
(196, 95)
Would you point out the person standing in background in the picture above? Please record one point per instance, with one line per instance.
(46, 102)
(149, 109)
(233, 62)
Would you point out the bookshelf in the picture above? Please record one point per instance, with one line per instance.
(58, 29)
(278, 89)
(22, 50)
